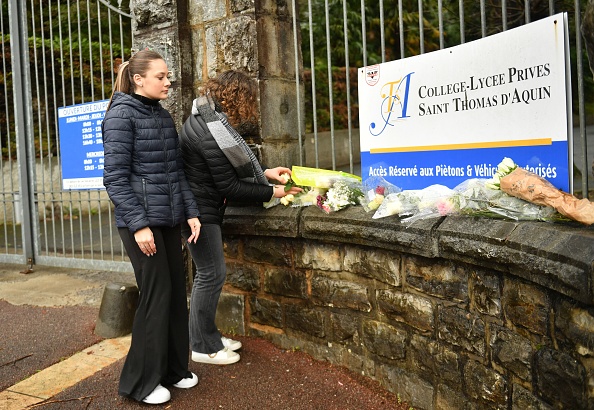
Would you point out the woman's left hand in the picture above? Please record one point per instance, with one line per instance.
(194, 224)
(275, 174)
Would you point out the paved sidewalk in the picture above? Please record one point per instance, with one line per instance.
(51, 359)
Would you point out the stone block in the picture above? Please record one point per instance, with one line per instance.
(305, 320)
(243, 276)
(512, 351)
(354, 226)
(485, 292)
(461, 328)
(340, 294)
(203, 11)
(230, 314)
(345, 329)
(266, 312)
(410, 387)
(284, 282)
(384, 340)
(526, 305)
(256, 220)
(485, 386)
(268, 250)
(523, 399)
(414, 310)
(560, 379)
(117, 310)
(450, 399)
(442, 279)
(371, 263)
(319, 256)
(574, 327)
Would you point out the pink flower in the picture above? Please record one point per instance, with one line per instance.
(445, 207)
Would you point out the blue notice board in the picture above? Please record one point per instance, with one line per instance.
(81, 145)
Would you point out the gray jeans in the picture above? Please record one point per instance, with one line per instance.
(211, 272)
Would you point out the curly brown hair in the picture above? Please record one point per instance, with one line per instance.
(237, 94)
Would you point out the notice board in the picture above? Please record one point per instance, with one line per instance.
(81, 145)
(454, 114)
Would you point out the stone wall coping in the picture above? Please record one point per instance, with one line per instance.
(558, 256)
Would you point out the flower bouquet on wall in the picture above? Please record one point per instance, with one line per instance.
(521, 183)
(375, 190)
(329, 190)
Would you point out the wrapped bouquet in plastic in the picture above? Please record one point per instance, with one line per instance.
(375, 189)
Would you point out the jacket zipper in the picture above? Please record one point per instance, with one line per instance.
(171, 203)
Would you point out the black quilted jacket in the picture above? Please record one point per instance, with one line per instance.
(143, 171)
(211, 176)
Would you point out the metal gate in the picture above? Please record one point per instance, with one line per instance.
(56, 53)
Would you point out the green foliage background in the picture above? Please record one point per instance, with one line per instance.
(336, 59)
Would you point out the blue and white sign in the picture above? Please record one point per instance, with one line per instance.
(454, 114)
(81, 145)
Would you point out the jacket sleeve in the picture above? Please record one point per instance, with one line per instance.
(224, 175)
(118, 147)
(191, 208)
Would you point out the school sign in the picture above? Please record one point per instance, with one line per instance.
(454, 114)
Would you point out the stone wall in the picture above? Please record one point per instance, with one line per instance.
(449, 313)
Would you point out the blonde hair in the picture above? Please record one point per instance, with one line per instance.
(138, 64)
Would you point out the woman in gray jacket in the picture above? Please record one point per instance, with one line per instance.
(144, 178)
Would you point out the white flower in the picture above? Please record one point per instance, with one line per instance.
(506, 166)
(284, 201)
(284, 178)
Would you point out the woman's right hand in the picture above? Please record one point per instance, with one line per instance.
(279, 191)
(146, 241)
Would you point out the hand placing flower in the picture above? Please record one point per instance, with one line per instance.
(284, 178)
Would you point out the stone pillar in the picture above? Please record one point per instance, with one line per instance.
(159, 26)
(276, 58)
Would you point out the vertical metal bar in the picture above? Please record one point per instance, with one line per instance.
(71, 54)
(296, 48)
(363, 33)
(483, 19)
(401, 28)
(313, 85)
(101, 57)
(80, 53)
(527, 11)
(330, 82)
(440, 17)
(17, 11)
(551, 7)
(382, 31)
(421, 28)
(581, 103)
(348, 82)
(92, 85)
(461, 13)
(504, 15)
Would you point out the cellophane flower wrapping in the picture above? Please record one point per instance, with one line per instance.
(435, 200)
(477, 197)
(375, 189)
(531, 187)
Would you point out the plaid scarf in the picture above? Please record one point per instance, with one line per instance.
(230, 142)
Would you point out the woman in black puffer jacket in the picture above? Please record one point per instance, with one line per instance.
(144, 178)
(220, 167)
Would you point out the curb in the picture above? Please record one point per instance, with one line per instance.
(47, 383)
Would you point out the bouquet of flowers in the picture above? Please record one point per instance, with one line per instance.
(375, 189)
(521, 183)
(435, 200)
(327, 189)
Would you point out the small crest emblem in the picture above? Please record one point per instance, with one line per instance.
(372, 74)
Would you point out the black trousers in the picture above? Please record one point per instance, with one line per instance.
(159, 351)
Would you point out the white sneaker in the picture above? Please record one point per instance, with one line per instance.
(158, 396)
(224, 356)
(230, 343)
(187, 382)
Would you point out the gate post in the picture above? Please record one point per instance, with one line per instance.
(17, 12)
